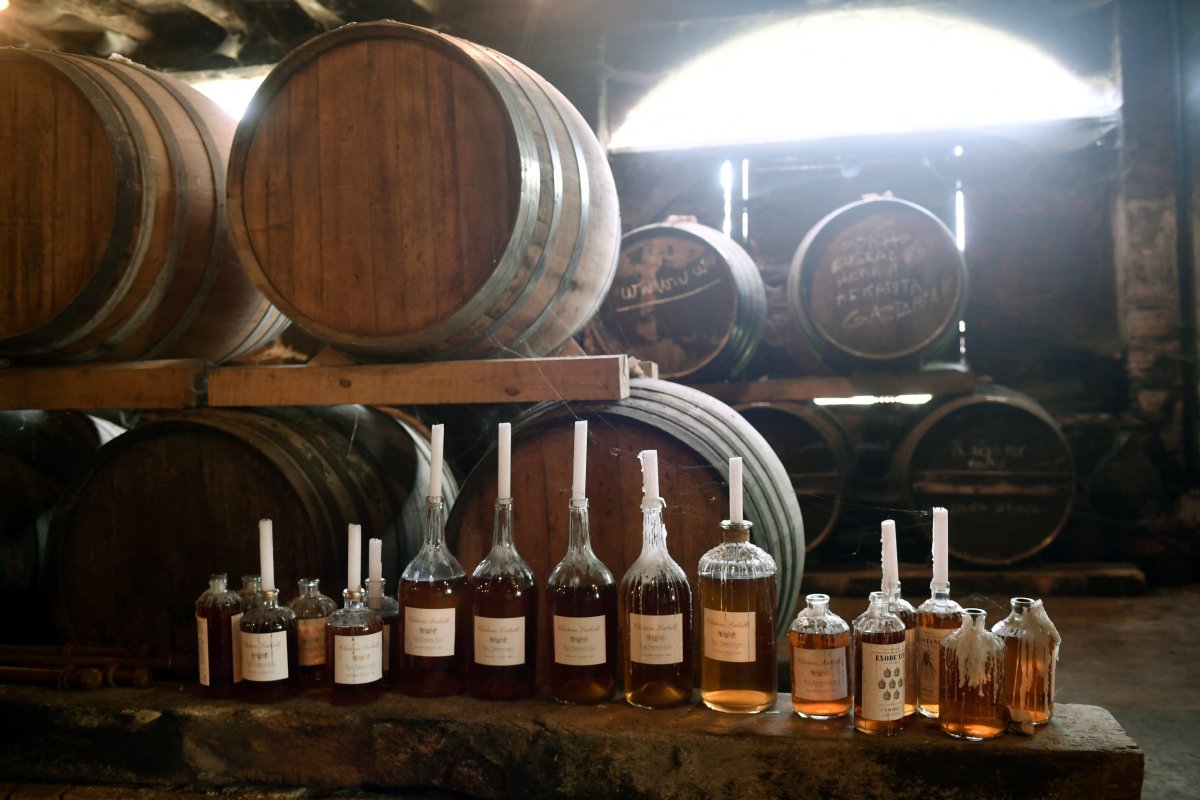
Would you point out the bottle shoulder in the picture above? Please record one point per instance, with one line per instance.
(737, 559)
(433, 563)
(503, 562)
(578, 569)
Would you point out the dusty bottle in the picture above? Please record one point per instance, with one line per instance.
(905, 611)
(656, 612)
(270, 653)
(388, 609)
(879, 662)
(251, 591)
(970, 704)
(219, 655)
(354, 652)
(820, 660)
(1031, 645)
(312, 610)
(937, 617)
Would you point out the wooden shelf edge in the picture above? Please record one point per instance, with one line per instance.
(170, 385)
(878, 384)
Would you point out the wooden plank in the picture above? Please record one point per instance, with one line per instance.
(144, 384)
(522, 380)
(875, 384)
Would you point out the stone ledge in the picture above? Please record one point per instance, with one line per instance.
(167, 738)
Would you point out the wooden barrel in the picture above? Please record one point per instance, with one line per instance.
(114, 243)
(876, 284)
(816, 452)
(1001, 465)
(171, 501)
(405, 194)
(694, 434)
(686, 297)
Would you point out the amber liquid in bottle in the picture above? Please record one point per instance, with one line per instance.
(354, 651)
(820, 661)
(1031, 645)
(879, 659)
(748, 685)
(270, 651)
(937, 617)
(388, 609)
(970, 705)
(908, 615)
(218, 615)
(312, 611)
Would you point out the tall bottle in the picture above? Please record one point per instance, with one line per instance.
(656, 611)
(937, 617)
(879, 663)
(218, 616)
(820, 659)
(581, 602)
(905, 611)
(502, 662)
(434, 598)
(270, 651)
(737, 588)
(251, 591)
(312, 609)
(970, 694)
(1031, 645)
(354, 639)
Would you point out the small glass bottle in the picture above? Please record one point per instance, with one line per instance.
(388, 609)
(218, 615)
(879, 662)
(656, 612)
(354, 649)
(970, 704)
(312, 609)
(251, 592)
(737, 589)
(502, 664)
(820, 656)
(270, 651)
(937, 618)
(1031, 645)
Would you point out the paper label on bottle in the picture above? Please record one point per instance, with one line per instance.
(202, 650)
(358, 659)
(579, 641)
(235, 623)
(929, 663)
(311, 636)
(819, 674)
(387, 646)
(656, 638)
(500, 641)
(264, 656)
(729, 635)
(883, 681)
(429, 632)
(910, 665)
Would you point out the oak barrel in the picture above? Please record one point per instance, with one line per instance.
(876, 284)
(114, 242)
(999, 463)
(686, 297)
(406, 194)
(694, 434)
(817, 453)
(171, 501)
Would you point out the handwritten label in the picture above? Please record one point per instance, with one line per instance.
(264, 656)
(656, 638)
(358, 659)
(429, 632)
(729, 635)
(202, 650)
(311, 635)
(883, 681)
(500, 641)
(579, 641)
(820, 674)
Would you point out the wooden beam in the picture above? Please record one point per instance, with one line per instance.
(320, 13)
(17, 31)
(884, 384)
(522, 380)
(144, 384)
(111, 15)
(222, 14)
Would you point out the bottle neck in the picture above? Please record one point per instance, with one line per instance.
(879, 604)
(1020, 605)
(579, 537)
(352, 599)
(939, 590)
(502, 533)
(374, 592)
(218, 584)
(974, 618)
(818, 604)
(435, 522)
(270, 598)
(309, 587)
(735, 531)
(654, 535)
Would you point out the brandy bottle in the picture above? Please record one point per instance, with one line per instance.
(251, 591)
(270, 653)
(388, 609)
(970, 703)
(937, 617)
(879, 662)
(354, 643)
(312, 610)
(820, 660)
(1031, 645)
(218, 615)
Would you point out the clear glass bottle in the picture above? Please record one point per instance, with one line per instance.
(937, 617)
(908, 615)
(737, 589)
(970, 704)
(354, 649)
(312, 609)
(1031, 645)
(251, 592)
(388, 609)
(820, 659)
(434, 598)
(270, 652)
(879, 663)
(656, 621)
(581, 598)
(218, 638)
(502, 664)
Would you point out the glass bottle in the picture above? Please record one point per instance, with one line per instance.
(737, 588)
(1031, 645)
(354, 649)
(937, 617)
(388, 609)
(908, 615)
(879, 662)
(581, 598)
(270, 652)
(433, 596)
(251, 592)
(502, 664)
(820, 657)
(218, 615)
(312, 609)
(972, 680)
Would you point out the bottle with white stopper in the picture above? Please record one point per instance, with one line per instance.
(937, 617)
(354, 634)
(970, 703)
(581, 598)
(387, 607)
(656, 611)
(270, 650)
(1031, 645)
(434, 601)
(737, 589)
(902, 609)
(879, 669)
(502, 662)
(312, 607)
